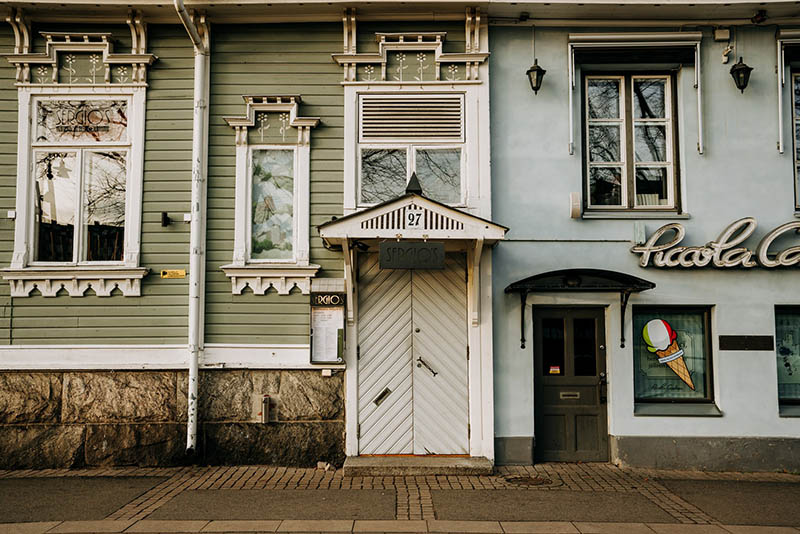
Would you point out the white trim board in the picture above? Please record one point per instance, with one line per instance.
(145, 357)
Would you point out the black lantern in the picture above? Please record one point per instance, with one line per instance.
(535, 75)
(741, 75)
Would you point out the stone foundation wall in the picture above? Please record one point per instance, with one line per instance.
(102, 418)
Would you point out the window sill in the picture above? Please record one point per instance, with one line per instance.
(642, 409)
(103, 280)
(260, 277)
(789, 410)
(634, 215)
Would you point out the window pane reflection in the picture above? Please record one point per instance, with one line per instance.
(55, 205)
(439, 174)
(603, 99)
(605, 186)
(648, 99)
(604, 143)
(104, 205)
(787, 343)
(383, 174)
(651, 143)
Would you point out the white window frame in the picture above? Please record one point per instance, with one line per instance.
(243, 205)
(297, 249)
(24, 272)
(475, 177)
(411, 164)
(80, 149)
(626, 93)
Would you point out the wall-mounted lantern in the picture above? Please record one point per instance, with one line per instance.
(741, 75)
(535, 76)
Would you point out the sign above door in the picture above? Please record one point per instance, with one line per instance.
(411, 255)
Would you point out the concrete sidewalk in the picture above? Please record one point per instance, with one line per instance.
(514, 500)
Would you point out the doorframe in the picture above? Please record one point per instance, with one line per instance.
(554, 301)
(480, 370)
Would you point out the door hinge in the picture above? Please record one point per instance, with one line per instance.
(358, 352)
(469, 431)
(467, 352)
(358, 431)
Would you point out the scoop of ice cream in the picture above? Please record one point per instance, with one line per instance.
(658, 335)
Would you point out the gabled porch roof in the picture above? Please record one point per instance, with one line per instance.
(391, 220)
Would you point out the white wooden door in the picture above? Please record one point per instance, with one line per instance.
(439, 317)
(412, 367)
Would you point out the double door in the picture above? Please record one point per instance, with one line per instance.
(412, 359)
(570, 420)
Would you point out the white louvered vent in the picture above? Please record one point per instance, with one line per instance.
(396, 220)
(411, 117)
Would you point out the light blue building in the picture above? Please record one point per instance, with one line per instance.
(635, 349)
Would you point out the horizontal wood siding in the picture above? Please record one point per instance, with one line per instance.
(159, 316)
(258, 60)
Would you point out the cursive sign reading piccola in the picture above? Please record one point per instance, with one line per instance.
(723, 252)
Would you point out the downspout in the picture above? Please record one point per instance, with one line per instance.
(198, 223)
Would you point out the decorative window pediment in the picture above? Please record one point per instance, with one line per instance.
(80, 159)
(271, 223)
(80, 58)
(412, 57)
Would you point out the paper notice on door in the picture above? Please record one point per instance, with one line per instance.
(325, 326)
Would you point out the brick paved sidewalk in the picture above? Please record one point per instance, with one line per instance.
(413, 493)
(380, 527)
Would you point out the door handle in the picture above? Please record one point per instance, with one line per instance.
(423, 363)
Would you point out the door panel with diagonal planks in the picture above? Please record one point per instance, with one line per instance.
(412, 371)
(384, 367)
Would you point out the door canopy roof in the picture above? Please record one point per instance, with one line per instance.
(411, 216)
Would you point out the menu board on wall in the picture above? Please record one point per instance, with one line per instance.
(327, 328)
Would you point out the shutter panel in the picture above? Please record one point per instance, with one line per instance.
(411, 118)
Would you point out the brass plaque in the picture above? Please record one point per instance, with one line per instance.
(173, 273)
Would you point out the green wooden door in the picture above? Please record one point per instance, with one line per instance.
(569, 388)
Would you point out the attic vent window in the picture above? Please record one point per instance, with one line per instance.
(426, 118)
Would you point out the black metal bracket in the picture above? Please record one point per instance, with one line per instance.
(523, 297)
(623, 305)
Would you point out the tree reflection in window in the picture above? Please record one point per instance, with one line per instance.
(383, 174)
(104, 205)
(439, 173)
(55, 201)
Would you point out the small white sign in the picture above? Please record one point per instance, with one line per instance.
(325, 324)
(414, 217)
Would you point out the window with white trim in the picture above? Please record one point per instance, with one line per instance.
(403, 134)
(630, 153)
(80, 151)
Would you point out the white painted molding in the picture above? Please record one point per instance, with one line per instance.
(76, 280)
(260, 277)
(136, 357)
(276, 274)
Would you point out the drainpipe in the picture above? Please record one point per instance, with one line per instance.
(198, 223)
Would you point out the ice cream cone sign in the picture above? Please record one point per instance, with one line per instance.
(662, 339)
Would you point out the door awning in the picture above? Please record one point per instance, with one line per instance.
(411, 216)
(581, 280)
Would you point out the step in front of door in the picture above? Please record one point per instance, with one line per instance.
(367, 466)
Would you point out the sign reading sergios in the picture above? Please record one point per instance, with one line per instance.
(723, 252)
(411, 255)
